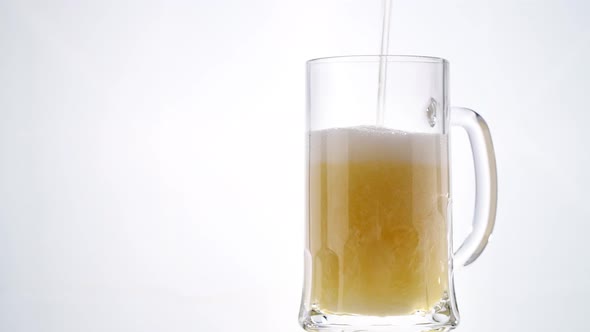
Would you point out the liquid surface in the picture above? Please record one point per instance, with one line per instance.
(377, 221)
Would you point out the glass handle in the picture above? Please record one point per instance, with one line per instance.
(486, 185)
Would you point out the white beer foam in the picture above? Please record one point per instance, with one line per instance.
(372, 143)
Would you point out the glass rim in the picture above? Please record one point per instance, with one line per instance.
(377, 58)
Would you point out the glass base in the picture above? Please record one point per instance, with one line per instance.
(440, 319)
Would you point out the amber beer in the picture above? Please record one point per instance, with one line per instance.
(378, 204)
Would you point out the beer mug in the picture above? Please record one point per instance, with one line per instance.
(379, 253)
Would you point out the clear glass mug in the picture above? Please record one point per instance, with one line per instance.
(379, 255)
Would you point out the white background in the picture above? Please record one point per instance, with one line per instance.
(151, 157)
